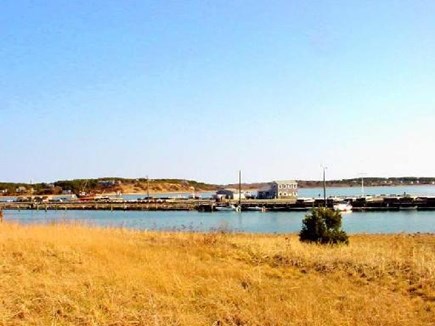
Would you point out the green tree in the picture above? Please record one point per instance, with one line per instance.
(323, 226)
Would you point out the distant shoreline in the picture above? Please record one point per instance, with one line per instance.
(153, 193)
(368, 186)
(251, 189)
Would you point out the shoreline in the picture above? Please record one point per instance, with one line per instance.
(229, 231)
(211, 191)
(224, 230)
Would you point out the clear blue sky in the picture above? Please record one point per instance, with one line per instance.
(201, 89)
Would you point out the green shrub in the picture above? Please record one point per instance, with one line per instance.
(323, 226)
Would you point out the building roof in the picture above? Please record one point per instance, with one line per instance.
(285, 181)
(229, 189)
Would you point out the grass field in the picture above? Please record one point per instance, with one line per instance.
(78, 275)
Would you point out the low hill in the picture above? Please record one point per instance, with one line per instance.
(107, 185)
(141, 185)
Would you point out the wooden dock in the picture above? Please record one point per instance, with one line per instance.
(359, 204)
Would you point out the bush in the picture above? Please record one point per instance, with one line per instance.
(323, 225)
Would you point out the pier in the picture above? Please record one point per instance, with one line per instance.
(377, 203)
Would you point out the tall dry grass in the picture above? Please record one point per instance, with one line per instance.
(77, 275)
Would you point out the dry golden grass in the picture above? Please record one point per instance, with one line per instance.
(77, 275)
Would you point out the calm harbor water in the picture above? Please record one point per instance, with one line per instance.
(257, 222)
(269, 222)
(426, 190)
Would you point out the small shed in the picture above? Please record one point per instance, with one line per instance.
(229, 194)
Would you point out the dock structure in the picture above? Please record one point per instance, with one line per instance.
(378, 203)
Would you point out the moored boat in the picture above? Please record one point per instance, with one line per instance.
(254, 208)
(226, 208)
(343, 207)
(408, 207)
(83, 196)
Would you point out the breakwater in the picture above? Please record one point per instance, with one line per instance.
(378, 203)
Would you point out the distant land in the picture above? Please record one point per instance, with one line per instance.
(142, 185)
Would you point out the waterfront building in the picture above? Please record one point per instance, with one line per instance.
(283, 189)
(223, 194)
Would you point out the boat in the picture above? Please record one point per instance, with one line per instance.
(343, 207)
(226, 208)
(83, 196)
(408, 207)
(255, 208)
(306, 200)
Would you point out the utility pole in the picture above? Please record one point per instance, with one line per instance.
(324, 184)
(148, 188)
(362, 183)
(240, 189)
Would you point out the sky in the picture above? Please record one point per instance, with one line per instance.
(201, 89)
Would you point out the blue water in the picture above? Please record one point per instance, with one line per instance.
(257, 222)
(269, 222)
(426, 190)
